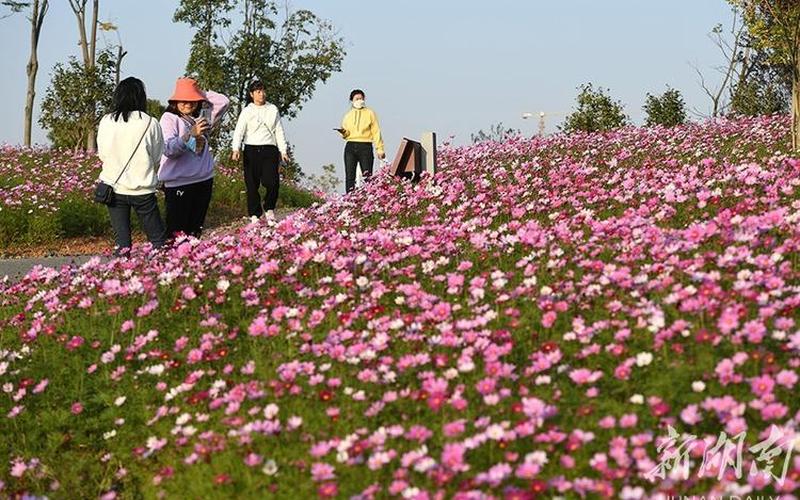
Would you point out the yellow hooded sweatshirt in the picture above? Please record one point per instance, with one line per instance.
(361, 125)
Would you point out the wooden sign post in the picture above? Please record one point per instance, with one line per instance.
(414, 157)
(408, 161)
(429, 152)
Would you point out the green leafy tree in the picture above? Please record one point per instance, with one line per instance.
(596, 112)
(764, 87)
(290, 51)
(155, 108)
(667, 110)
(775, 25)
(290, 170)
(328, 181)
(207, 55)
(497, 132)
(77, 99)
(37, 10)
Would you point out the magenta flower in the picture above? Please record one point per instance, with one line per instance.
(762, 385)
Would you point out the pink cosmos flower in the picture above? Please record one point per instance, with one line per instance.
(453, 457)
(628, 420)
(40, 387)
(253, 460)
(762, 385)
(584, 376)
(549, 318)
(321, 471)
(18, 468)
(690, 415)
(453, 429)
(786, 378)
(258, 327)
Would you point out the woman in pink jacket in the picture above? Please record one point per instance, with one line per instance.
(187, 166)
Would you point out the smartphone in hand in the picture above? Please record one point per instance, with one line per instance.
(205, 112)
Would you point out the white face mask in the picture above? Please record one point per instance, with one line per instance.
(358, 103)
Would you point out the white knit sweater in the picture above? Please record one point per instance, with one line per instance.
(116, 140)
(259, 126)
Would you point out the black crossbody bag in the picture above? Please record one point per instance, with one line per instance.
(104, 193)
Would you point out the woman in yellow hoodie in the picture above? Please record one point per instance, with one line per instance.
(361, 130)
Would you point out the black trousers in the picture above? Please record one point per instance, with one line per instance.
(357, 153)
(187, 207)
(261, 169)
(146, 208)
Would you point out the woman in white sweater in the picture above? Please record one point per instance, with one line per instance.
(259, 129)
(129, 143)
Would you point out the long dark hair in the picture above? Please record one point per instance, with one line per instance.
(255, 85)
(129, 96)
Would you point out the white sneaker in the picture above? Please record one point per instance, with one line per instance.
(253, 219)
(269, 215)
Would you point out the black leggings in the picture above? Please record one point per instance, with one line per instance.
(187, 206)
(261, 169)
(361, 153)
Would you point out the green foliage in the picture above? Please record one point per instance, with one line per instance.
(755, 97)
(291, 170)
(293, 196)
(667, 110)
(206, 57)
(291, 57)
(596, 112)
(155, 108)
(497, 132)
(77, 99)
(327, 182)
(78, 217)
(775, 25)
(301, 52)
(13, 226)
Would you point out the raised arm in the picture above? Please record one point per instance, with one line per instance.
(174, 143)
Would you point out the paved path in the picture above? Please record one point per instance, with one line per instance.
(17, 268)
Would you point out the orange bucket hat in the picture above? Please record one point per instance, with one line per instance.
(186, 89)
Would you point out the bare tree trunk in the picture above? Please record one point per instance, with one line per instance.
(38, 11)
(796, 107)
(91, 138)
(93, 46)
(118, 66)
(88, 43)
(81, 19)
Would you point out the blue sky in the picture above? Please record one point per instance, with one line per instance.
(450, 66)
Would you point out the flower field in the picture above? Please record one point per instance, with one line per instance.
(543, 318)
(46, 195)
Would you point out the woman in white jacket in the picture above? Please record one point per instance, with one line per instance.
(129, 143)
(260, 131)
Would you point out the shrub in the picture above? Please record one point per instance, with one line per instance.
(596, 112)
(667, 110)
